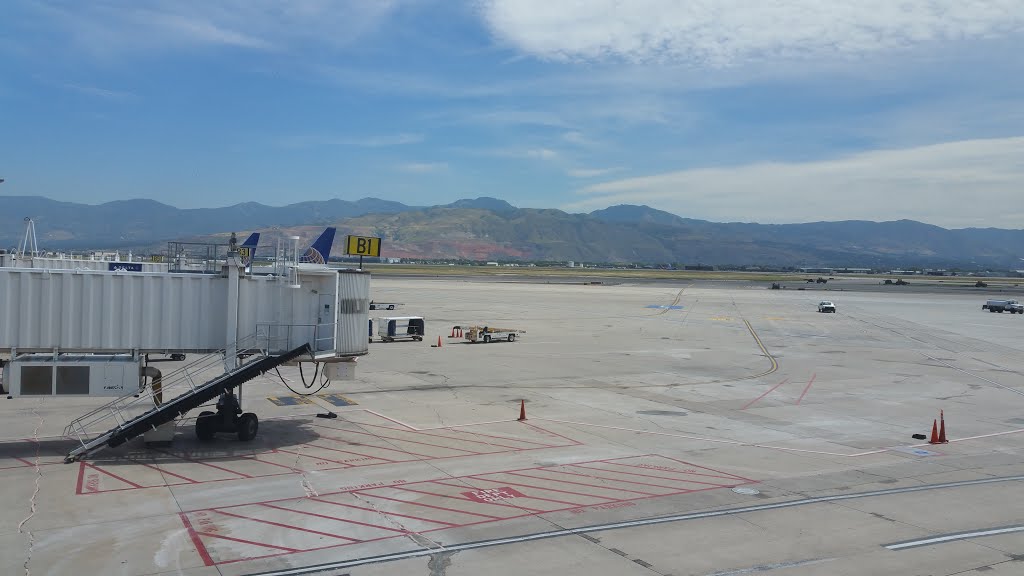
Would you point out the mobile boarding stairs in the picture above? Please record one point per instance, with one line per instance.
(186, 394)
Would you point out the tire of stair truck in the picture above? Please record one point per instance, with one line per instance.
(248, 425)
(487, 339)
(511, 337)
(206, 425)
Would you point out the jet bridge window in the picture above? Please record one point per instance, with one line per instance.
(73, 380)
(36, 380)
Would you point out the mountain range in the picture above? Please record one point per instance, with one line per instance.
(492, 229)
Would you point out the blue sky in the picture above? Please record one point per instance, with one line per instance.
(775, 111)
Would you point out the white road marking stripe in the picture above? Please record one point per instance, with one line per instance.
(954, 537)
(618, 525)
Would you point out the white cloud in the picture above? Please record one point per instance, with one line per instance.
(725, 32)
(382, 141)
(541, 154)
(98, 92)
(120, 27)
(423, 167)
(591, 172)
(974, 183)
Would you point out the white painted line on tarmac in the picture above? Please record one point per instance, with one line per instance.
(767, 567)
(973, 375)
(953, 537)
(300, 571)
(802, 450)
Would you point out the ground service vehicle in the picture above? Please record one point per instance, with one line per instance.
(487, 334)
(1011, 306)
(826, 306)
(400, 328)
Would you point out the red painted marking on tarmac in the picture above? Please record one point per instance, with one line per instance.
(344, 441)
(612, 488)
(813, 376)
(321, 458)
(462, 498)
(515, 494)
(348, 431)
(360, 453)
(431, 506)
(250, 542)
(23, 461)
(158, 469)
(188, 458)
(481, 479)
(280, 525)
(651, 476)
(81, 477)
(542, 488)
(445, 437)
(770, 390)
(389, 513)
(256, 458)
(717, 474)
(204, 554)
(335, 518)
(541, 444)
(115, 476)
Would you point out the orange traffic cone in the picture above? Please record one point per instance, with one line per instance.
(453, 332)
(522, 410)
(438, 341)
(935, 433)
(942, 428)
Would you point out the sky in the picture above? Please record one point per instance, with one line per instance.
(773, 111)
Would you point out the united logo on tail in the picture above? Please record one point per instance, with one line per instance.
(320, 251)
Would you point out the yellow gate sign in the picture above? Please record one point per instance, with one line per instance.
(363, 246)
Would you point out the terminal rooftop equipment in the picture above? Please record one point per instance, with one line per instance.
(76, 332)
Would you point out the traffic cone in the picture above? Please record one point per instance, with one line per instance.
(935, 433)
(522, 410)
(942, 428)
(438, 341)
(453, 332)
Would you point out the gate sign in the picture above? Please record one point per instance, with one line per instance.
(362, 246)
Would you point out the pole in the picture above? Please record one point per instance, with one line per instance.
(360, 261)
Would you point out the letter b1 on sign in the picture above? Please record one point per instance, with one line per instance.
(363, 246)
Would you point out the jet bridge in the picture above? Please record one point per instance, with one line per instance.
(128, 426)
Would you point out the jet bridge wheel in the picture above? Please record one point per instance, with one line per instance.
(206, 425)
(248, 425)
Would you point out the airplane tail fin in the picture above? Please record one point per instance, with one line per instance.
(320, 251)
(252, 240)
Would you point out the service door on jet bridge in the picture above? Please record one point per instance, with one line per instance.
(325, 324)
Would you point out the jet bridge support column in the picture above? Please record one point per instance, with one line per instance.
(234, 265)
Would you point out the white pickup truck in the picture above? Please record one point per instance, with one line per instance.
(1011, 306)
(826, 306)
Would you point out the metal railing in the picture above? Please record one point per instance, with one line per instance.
(278, 338)
(173, 384)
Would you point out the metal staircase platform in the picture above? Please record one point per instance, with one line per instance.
(131, 427)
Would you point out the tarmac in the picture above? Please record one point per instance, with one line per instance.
(704, 429)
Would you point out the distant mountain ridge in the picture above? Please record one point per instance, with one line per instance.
(490, 228)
